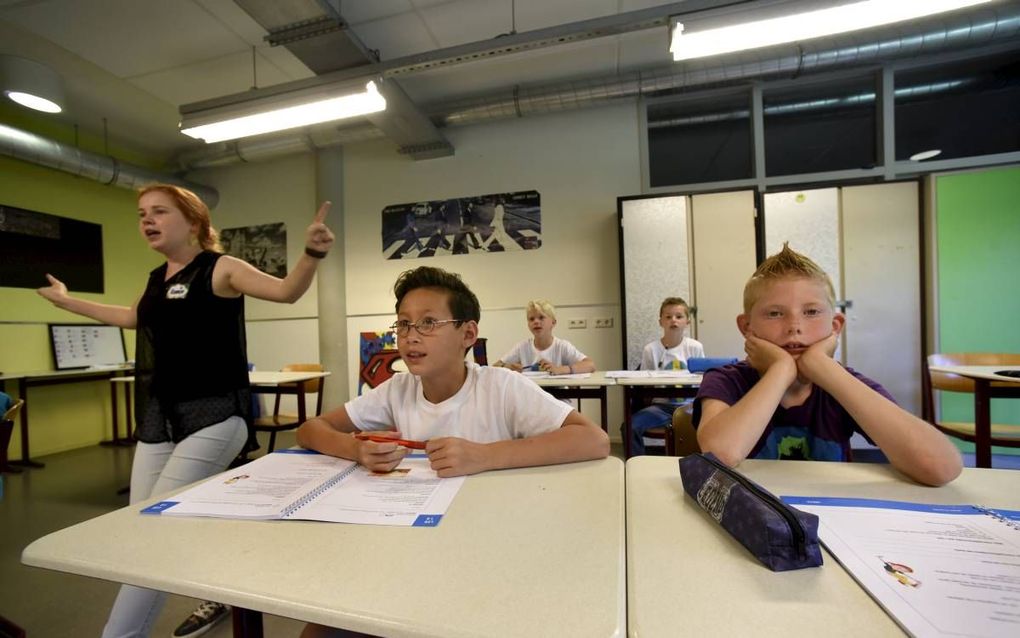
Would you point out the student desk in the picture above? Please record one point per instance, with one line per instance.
(276, 382)
(686, 575)
(639, 390)
(987, 386)
(581, 386)
(25, 380)
(524, 552)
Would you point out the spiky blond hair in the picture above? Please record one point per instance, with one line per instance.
(786, 264)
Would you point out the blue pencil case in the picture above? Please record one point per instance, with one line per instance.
(780, 536)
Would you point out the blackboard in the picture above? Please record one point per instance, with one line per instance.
(33, 244)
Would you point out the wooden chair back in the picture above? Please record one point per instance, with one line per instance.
(314, 386)
(1003, 435)
(12, 413)
(685, 437)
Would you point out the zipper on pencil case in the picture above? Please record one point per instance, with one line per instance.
(780, 508)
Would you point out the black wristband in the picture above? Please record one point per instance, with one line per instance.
(317, 254)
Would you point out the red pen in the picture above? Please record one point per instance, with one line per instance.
(367, 436)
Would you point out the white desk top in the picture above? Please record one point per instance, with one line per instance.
(54, 374)
(979, 372)
(594, 380)
(685, 574)
(664, 381)
(275, 377)
(268, 377)
(527, 552)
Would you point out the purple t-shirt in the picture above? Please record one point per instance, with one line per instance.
(818, 430)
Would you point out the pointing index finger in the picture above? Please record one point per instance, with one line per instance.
(320, 216)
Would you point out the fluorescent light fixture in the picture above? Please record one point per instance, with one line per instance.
(923, 155)
(230, 123)
(31, 84)
(691, 43)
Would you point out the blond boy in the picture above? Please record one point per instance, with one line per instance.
(544, 351)
(791, 399)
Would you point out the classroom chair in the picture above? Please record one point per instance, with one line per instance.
(6, 430)
(684, 437)
(277, 422)
(1002, 434)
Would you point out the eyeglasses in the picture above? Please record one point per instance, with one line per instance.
(423, 326)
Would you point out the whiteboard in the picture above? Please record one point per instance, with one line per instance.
(84, 345)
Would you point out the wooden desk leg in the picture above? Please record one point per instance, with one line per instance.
(26, 459)
(982, 423)
(247, 623)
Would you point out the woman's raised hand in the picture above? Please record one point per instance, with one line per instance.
(320, 237)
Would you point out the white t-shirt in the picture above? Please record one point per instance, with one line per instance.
(560, 353)
(657, 357)
(494, 404)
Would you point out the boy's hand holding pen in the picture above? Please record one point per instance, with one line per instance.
(382, 451)
(388, 437)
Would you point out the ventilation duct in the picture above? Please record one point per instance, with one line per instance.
(104, 169)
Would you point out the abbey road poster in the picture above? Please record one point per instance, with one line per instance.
(487, 223)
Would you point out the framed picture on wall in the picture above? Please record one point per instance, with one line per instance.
(487, 223)
(263, 246)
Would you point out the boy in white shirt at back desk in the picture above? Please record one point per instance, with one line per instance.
(671, 352)
(544, 351)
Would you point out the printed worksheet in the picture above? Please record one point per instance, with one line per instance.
(938, 570)
(299, 484)
(399, 497)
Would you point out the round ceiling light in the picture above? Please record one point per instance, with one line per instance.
(31, 84)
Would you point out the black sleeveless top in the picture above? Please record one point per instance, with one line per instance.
(191, 368)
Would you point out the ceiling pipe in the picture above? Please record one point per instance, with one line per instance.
(981, 27)
(105, 169)
(985, 26)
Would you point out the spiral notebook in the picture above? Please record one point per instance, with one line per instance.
(306, 485)
(938, 570)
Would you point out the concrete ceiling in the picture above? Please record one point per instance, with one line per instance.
(134, 62)
(129, 65)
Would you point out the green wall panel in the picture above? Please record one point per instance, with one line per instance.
(978, 243)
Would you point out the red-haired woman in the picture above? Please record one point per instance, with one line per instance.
(192, 398)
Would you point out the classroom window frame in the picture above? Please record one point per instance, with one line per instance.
(886, 168)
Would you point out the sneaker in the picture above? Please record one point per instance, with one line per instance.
(204, 618)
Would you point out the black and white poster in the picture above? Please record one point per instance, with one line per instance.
(264, 247)
(487, 223)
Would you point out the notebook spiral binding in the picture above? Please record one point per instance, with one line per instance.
(994, 514)
(311, 496)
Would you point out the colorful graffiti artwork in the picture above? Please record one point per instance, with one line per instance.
(378, 354)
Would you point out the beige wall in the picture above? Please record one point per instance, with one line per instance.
(578, 162)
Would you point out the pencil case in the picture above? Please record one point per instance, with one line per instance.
(780, 536)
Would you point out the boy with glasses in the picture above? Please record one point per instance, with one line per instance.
(472, 418)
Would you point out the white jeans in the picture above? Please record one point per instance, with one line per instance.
(159, 468)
